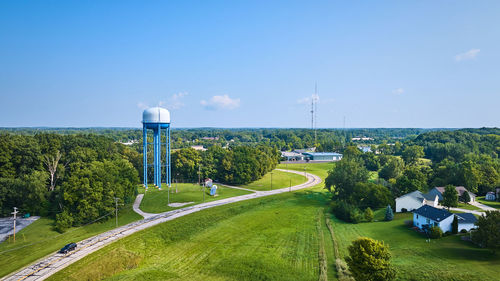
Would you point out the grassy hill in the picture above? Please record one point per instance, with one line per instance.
(39, 239)
(280, 180)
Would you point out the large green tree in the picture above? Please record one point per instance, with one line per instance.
(488, 231)
(450, 196)
(370, 260)
(344, 176)
(411, 154)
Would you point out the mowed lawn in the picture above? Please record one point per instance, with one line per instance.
(492, 204)
(271, 238)
(319, 169)
(447, 258)
(39, 239)
(279, 180)
(156, 201)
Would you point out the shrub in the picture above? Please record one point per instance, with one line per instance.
(370, 260)
(404, 210)
(463, 231)
(63, 221)
(389, 215)
(435, 232)
(346, 212)
(368, 214)
(454, 225)
(447, 233)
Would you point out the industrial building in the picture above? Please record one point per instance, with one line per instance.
(323, 156)
(301, 155)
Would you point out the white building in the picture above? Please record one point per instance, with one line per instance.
(415, 200)
(490, 196)
(426, 217)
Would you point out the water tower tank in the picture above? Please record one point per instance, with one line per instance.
(156, 115)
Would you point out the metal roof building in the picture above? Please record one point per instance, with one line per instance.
(323, 156)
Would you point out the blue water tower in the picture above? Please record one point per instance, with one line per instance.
(156, 119)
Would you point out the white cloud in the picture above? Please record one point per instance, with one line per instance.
(398, 91)
(175, 101)
(220, 102)
(470, 54)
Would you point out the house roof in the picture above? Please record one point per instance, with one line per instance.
(419, 196)
(415, 194)
(466, 218)
(459, 189)
(432, 213)
(430, 197)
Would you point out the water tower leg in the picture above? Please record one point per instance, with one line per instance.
(145, 155)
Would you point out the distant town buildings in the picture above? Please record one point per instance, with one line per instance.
(198, 147)
(361, 139)
(308, 155)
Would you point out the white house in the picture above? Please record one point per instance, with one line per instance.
(490, 196)
(426, 217)
(466, 221)
(415, 200)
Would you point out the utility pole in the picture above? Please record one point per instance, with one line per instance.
(271, 180)
(116, 210)
(15, 213)
(199, 174)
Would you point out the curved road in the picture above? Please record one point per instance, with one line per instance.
(51, 264)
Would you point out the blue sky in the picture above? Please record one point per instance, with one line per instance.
(250, 63)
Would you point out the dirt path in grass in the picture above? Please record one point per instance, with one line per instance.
(45, 267)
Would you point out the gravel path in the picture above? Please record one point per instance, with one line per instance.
(51, 264)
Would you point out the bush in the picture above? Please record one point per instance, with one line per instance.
(63, 221)
(435, 232)
(404, 210)
(447, 233)
(454, 225)
(368, 214)
(346, 212)
(389, 215)
(370, 260)
(463, 231)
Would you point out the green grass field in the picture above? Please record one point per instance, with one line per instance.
(39, 239)
(447, 258)
(492, 204)
(155, 201)
(319, 169)
(468, 207)
(272, 238)
(280, 180)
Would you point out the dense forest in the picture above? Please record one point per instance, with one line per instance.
(283, 139)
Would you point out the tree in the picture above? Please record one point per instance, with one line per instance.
(450, 196)
(487, 234)
(412, 179)
(465, 197)
(344, 176)
(367, 194)
(411, 154)
(392, 169)
(368, 214)
(389, 215)
(51, 163)
(454, 225)
(370, 260)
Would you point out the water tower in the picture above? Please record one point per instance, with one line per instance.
(156, 119)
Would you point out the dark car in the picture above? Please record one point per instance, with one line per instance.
(68, 248)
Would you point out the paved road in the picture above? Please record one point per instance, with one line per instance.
(51, 264)
(482, 206)
(7, 226)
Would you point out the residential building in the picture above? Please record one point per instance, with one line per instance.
(490, 196)
(415, 200)
(426, 217)
(460, 190)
